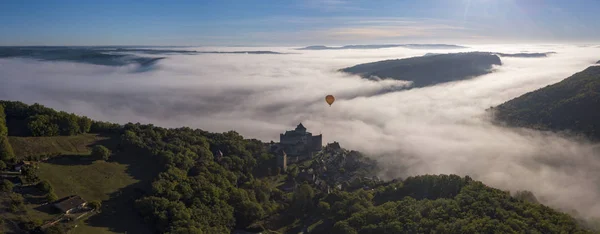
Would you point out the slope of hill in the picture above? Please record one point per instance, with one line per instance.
(569, 105)
(26, 147)
(171, 179)
(430, 69)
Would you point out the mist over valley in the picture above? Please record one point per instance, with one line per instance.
(442, 128)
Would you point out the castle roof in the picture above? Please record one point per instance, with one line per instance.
(300, 126)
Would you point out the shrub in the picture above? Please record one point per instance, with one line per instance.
(100, 151)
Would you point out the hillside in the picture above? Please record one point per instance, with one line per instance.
(569, 105)
(429, 70)
(191, 181)
(26, 147)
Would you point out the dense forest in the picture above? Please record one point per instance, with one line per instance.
(569, 105)
(431, 69)
(219, 182)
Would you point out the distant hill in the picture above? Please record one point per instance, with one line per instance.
(107, 56)
(241, 52)
(598, 62)
(430, 69)
(572, 104)
(411, 46)
(526, 55)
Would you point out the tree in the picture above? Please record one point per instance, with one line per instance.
(99, 151)
(2, 165)
(324, 207)
(6, 186)
(342, 227)
(51, 196)
(95, 204)
(6, 151)
(30, 173)
(45, 186)
(85, 124)
(303, 198)
(3, 127)
(526, 196)
(67, 124)
(41, 125)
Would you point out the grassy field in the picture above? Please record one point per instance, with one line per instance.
(58, 145)
(113, 183)
(92, 180)
(71, 171)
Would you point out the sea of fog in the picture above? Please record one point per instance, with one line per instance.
(432, 130)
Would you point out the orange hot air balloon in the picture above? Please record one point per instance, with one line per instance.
(329, 99)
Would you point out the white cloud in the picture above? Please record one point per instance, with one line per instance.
(439, 129)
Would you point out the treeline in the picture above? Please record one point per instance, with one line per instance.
(37, 120)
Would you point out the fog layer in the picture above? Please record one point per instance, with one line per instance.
(438, 129)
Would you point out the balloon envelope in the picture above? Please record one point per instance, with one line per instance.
(329, 99)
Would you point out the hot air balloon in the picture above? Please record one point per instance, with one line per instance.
(329, 99)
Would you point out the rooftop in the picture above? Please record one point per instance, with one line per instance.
(68, 203)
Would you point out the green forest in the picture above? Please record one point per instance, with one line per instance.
(568, 106)
(195, 190)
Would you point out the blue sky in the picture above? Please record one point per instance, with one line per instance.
(296, 22)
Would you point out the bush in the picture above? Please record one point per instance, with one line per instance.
(95, 204)
(100, 151)
(51, 196)
(3, 165)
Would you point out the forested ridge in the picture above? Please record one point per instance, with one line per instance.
(430, 69)
(569, 105)
(199, 191)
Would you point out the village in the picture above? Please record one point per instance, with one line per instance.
(301, 155)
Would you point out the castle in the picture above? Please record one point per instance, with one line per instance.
(298, 144)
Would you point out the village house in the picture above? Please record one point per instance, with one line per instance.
(17, 167)
(307, 175)
(70, 204)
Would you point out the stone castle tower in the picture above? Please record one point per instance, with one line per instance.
(282, 160)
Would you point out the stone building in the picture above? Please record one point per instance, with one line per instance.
(295, 145)
(300, 142)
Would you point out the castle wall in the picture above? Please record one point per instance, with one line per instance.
(316, 142)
